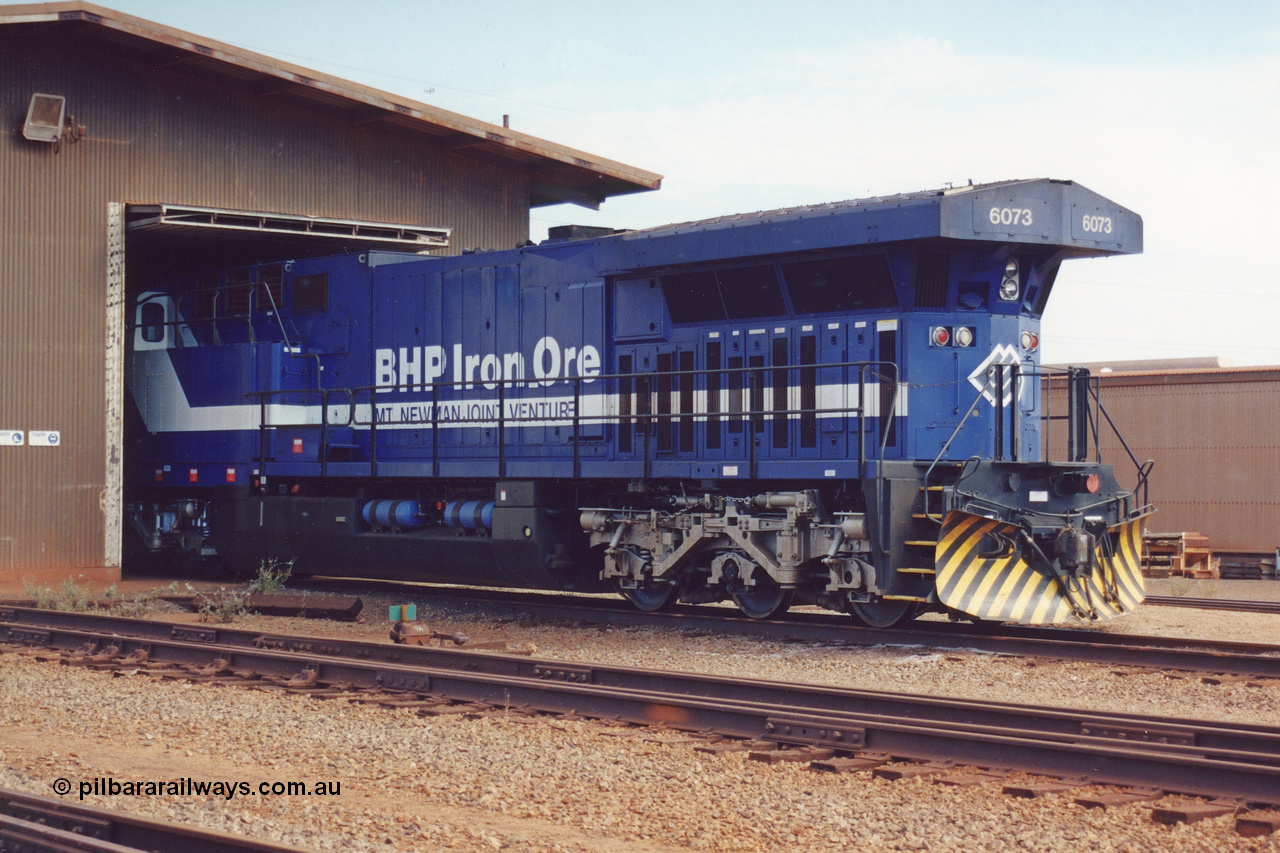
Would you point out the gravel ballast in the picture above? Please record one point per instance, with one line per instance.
(503, 781)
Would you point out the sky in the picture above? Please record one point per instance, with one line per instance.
(1170, 108)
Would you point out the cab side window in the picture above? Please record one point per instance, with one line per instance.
(151, 322)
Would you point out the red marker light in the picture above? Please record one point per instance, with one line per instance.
(1092, 483)
(940, 336)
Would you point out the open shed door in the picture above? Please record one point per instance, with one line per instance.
(149, 243)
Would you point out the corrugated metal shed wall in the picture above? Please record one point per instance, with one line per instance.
(155, 137)
(1215, 439)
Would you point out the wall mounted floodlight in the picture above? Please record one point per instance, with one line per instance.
(45, 117)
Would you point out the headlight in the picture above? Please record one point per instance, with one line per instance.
(1009, 287)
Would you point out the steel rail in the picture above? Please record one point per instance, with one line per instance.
(827, 627)
(35, 824)
(1186, 756)
(1237, 605)
(1256, 660)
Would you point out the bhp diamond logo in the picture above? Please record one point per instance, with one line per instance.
(983, 377)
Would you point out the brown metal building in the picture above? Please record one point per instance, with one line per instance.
(129, 149)
(1214, 434)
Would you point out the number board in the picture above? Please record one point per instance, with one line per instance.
(1096, 223)
(1013, 217)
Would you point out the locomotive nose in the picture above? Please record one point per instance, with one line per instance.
(1092, 573)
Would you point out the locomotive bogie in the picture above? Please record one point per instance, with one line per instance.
(722, 547)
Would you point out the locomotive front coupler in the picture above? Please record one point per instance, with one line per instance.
(1072, 540)
(1069, 581)
(1073, 548)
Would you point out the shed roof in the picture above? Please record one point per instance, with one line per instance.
(558, 174)
(1194, 376)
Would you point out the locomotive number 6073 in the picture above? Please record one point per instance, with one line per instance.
(1010, 216)
(841, 405)
(1096, 224)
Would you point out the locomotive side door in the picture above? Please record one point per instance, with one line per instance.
(673, 401)
(831, 395)
(714, 396)
(636, 388)
(478, 306)
(405, 319)
(640, 320)
(738, 397)
(588, 393)
(783, 396)
(860, 386)
(891, 404)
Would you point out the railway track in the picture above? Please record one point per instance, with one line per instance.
(33, 824)
(1201, 758)
(1217, 657)
(1208, 657)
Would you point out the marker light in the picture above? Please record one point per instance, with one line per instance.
(964, 336)
(1030, 341)
(1009, 287)
(939, 336)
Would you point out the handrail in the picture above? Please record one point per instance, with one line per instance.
(742, 415)
(294, 350)
(195, 322)
(1143, 468)
(754, 414)
(945, 446)
(1079, 416)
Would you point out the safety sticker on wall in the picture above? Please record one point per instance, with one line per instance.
(12, 437)
(45, 438)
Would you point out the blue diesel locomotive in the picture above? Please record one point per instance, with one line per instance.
(839, 405)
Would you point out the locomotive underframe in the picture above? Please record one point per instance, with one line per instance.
(864, 547)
